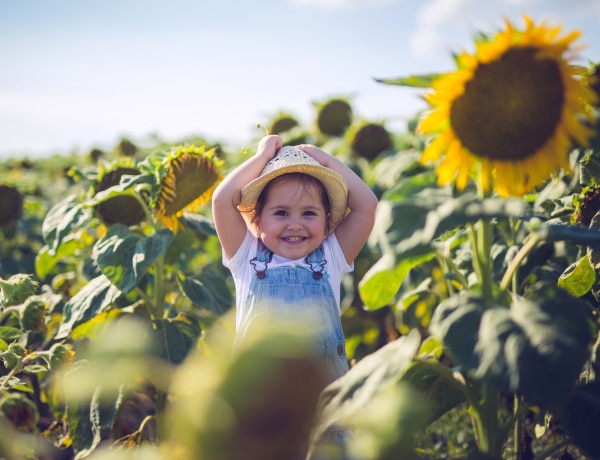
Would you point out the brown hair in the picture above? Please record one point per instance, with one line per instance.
(306, 182)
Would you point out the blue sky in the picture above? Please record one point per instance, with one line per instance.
(80, 74)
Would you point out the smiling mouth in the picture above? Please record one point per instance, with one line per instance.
(294, 239)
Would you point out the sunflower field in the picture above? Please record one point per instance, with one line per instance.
(471, 317)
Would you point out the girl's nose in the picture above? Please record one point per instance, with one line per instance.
(294, 225)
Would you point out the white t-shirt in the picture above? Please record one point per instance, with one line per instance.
(243, 272)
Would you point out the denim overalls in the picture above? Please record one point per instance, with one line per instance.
(301, 296)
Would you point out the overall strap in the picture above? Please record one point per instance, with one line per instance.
(316, 261)
(263, 256)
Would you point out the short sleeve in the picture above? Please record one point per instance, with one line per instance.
(336, 256)
(241, 254)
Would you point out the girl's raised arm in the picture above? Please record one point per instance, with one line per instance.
(229, 223)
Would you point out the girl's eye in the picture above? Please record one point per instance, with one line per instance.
(280, 213)
(310, 213)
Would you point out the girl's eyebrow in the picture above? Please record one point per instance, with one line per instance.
(283, 206)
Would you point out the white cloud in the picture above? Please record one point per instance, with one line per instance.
(444, 25)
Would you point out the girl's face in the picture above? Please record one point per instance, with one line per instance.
(293, 220)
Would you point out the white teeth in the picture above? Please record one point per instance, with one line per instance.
(294, 238)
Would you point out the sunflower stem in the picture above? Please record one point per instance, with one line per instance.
(448, 266)
(147, 211)
(7, 311)
(486, 411)
(487, 418)
(485, 261)
(474, 245)
(518, 429)
(511, 271)
(159, 289)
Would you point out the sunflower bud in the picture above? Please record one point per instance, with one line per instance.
(60, 354)
(32, 315)
(19, 411)
(10, 359)
(13, 356)
(17, 289)
(17, 349)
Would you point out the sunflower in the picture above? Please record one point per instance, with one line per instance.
(369, 140)
(11, 206)
(509, 112)
(334, 116)
(189, 175)
(593, 80)
(587, 205)
(123, 209)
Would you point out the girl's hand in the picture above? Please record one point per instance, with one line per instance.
(269, 146)
(315, 152)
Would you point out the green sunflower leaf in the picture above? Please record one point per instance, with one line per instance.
(369, 377)
(47, 258)
(207, 291)
(173, 339)
(10, 333)
(535, 348)
(124, 257)
(414, 81)
(88, 420)
(93, 299)
(128, 186)
(383, 280)
(413, 224)
(436, 383)
(456, 323)
(579, 277)
(408, 230)
(580, 417)
(198, 223)
(63, 218)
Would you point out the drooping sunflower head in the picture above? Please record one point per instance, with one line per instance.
(593, 80)
(95, 155)
(508, 115)
(188, 176)
(587, 205)
(11, 206)
(334, 116)
(368, 140)
(288, 127)
(281, 123)
(126, 148)
(123, 209)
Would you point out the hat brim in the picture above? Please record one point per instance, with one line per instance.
(335, 186)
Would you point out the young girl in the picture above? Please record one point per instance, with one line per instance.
(291, 221)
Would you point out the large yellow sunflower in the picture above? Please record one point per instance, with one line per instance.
(508, 114)
(190, 176)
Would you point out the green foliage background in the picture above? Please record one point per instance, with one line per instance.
(115, 339)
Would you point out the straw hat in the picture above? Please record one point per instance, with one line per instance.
(292, 160)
